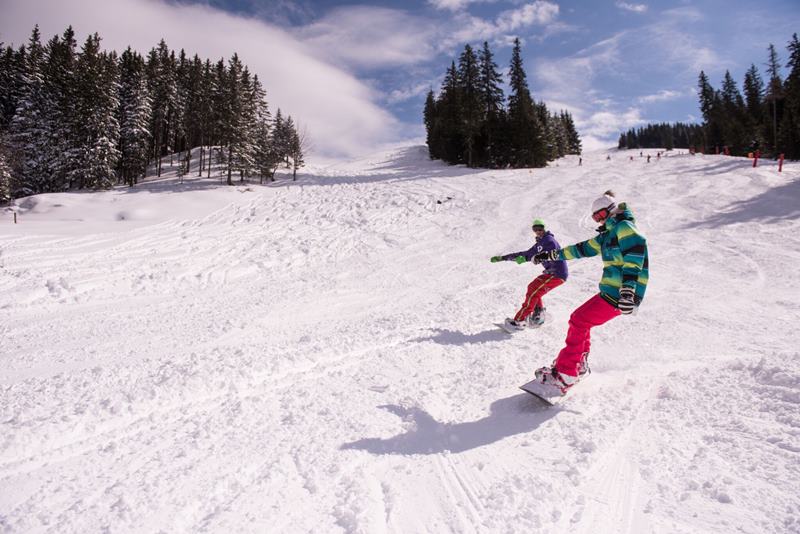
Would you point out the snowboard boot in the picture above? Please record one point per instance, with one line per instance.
(511, 324)
(548, 376)
(583, 366)
(536, 319)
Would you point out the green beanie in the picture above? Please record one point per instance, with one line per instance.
(538, 222)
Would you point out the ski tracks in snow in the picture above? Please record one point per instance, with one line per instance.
(321, 358)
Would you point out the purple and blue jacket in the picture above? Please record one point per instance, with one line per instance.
(547, 242)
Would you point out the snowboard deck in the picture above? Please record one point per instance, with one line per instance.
(502, 326)
(548, 394)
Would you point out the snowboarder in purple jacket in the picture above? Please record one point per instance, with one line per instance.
(555, 273)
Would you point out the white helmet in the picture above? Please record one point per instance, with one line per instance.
(606, 201)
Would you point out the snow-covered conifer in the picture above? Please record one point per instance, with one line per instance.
(135, 113)
(28, 134)
(471, 111)
(5, 173)
(96, 126)
(490, 86)
(527, 145)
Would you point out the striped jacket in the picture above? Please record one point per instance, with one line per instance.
(624, 253)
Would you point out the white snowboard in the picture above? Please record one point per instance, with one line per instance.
(502, 326)
(549, 394)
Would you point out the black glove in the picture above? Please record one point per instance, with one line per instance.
(625, 302)
(550, 255)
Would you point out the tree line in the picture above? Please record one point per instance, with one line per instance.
(765, 118)
(88, 118)
(471, 122)
(762, 117)
(663, 135)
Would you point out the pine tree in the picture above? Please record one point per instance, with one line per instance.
(96, 126)
(220, 110)
(527, 146)
(754, 104)
(491, 93)
(59, 86)
(774, 98)
(288, 140)
(471, 109)
(297, 148)
(573, 138)
(789, 133)
(5, 172)
(449, 107)
(134, 118)
(205, 114)
(429, 117)
(12, 67)
(711, 107)
(267, 157)
(28, 135)
(162, 85)
(233, 128)
(734, 128)
(279, 140)
(180, 111)
(549, 131)
(192, 118)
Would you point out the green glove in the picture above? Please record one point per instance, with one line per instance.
(520, 259)
(495, 259)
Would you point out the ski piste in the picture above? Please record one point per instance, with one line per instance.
(227, 375)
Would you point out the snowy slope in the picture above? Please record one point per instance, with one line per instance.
(319, 356)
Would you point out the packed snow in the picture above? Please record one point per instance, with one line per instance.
(320, 355)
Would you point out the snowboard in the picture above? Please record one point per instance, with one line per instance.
(548, 394)
(502, 326)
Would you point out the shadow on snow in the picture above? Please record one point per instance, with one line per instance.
(514, 415)
(406, 164)
(452, 337)
(774, 205)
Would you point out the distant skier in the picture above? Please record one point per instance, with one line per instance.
(622, 286)
(555, 273)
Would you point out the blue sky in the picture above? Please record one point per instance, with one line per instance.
(356, 74)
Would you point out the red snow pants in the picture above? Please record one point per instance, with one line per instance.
(593, 312)
(533, 299)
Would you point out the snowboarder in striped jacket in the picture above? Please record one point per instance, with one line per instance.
(622, 286)
(531, 314)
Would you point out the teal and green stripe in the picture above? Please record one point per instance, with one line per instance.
(624, 253)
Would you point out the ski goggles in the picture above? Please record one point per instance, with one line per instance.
(601, 214)
(537, 228)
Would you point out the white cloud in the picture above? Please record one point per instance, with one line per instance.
(569, 83)
(539, 12)
(470, 29)
(455, 5)
(636, 8)
(662, 96)
(407, 93)
(607, 125)
(363, 36)
(632, 60)
(572, 78)
(339, 111)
